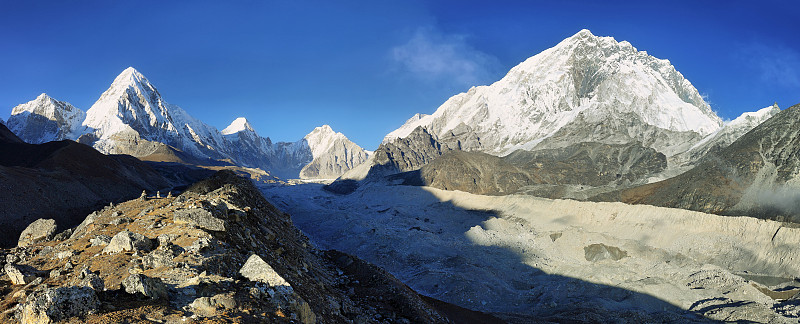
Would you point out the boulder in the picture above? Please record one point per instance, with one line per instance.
(56, 304)
(150, 287)
(16, 275)
(207, 306)
(256, 269)
(200, 218)
(40, 230)
(128, 241)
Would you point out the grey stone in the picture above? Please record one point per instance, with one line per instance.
(166, 239)
(150, 287)
(161, 257)
(128, 241)
(199, 245)
(94, 281)
(40, 230)
(203, 306)
(56, 304)
(16, 275)
(256, 269)
(65, 254)
(63, 235)
(224, 301)
(120, 220)
(100, 240)
(200, 218)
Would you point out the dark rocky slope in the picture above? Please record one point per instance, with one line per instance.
(756, 175)
(552, 173)
(64, 181)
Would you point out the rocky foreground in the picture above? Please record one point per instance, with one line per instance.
(219, 252)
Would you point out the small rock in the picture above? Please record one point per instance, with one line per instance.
(65, 254)
(40, 230)
(128, 241)
(55, 273)
(199, 245)
(169, 194)
(100, 240)
(224, 301)
(120, 220)
(143, 197)
(150, 287)
(92, 280)
(63, 235)
(203, 306)
(200, 218)
(56, 304)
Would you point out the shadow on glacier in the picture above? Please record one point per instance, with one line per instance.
(422, 241)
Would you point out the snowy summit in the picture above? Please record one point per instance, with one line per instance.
(582, 82)
(238, 125)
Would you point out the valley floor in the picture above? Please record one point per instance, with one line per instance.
(522, 257)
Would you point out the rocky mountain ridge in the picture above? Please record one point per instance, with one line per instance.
(131, 117)
(756, 175)
(218, 252)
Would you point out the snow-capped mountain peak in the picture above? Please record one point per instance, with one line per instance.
(582, 83)
(46, 119)
(133, 108)
(755, 117)
(238, 125)
(332, 152)
(322, 139)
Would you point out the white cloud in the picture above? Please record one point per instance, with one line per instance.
(435, 57)
(775, 64)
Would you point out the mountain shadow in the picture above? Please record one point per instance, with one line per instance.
(433, 246)
(63, 180)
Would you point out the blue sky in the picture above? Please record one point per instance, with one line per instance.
(364, 67)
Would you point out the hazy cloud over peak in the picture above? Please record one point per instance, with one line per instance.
(433, 56)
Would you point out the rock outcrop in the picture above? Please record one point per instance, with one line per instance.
(40, 229)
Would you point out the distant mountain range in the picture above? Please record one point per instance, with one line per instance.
(132, 118)
(589, 117)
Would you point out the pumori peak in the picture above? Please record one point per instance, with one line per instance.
(238, 125)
